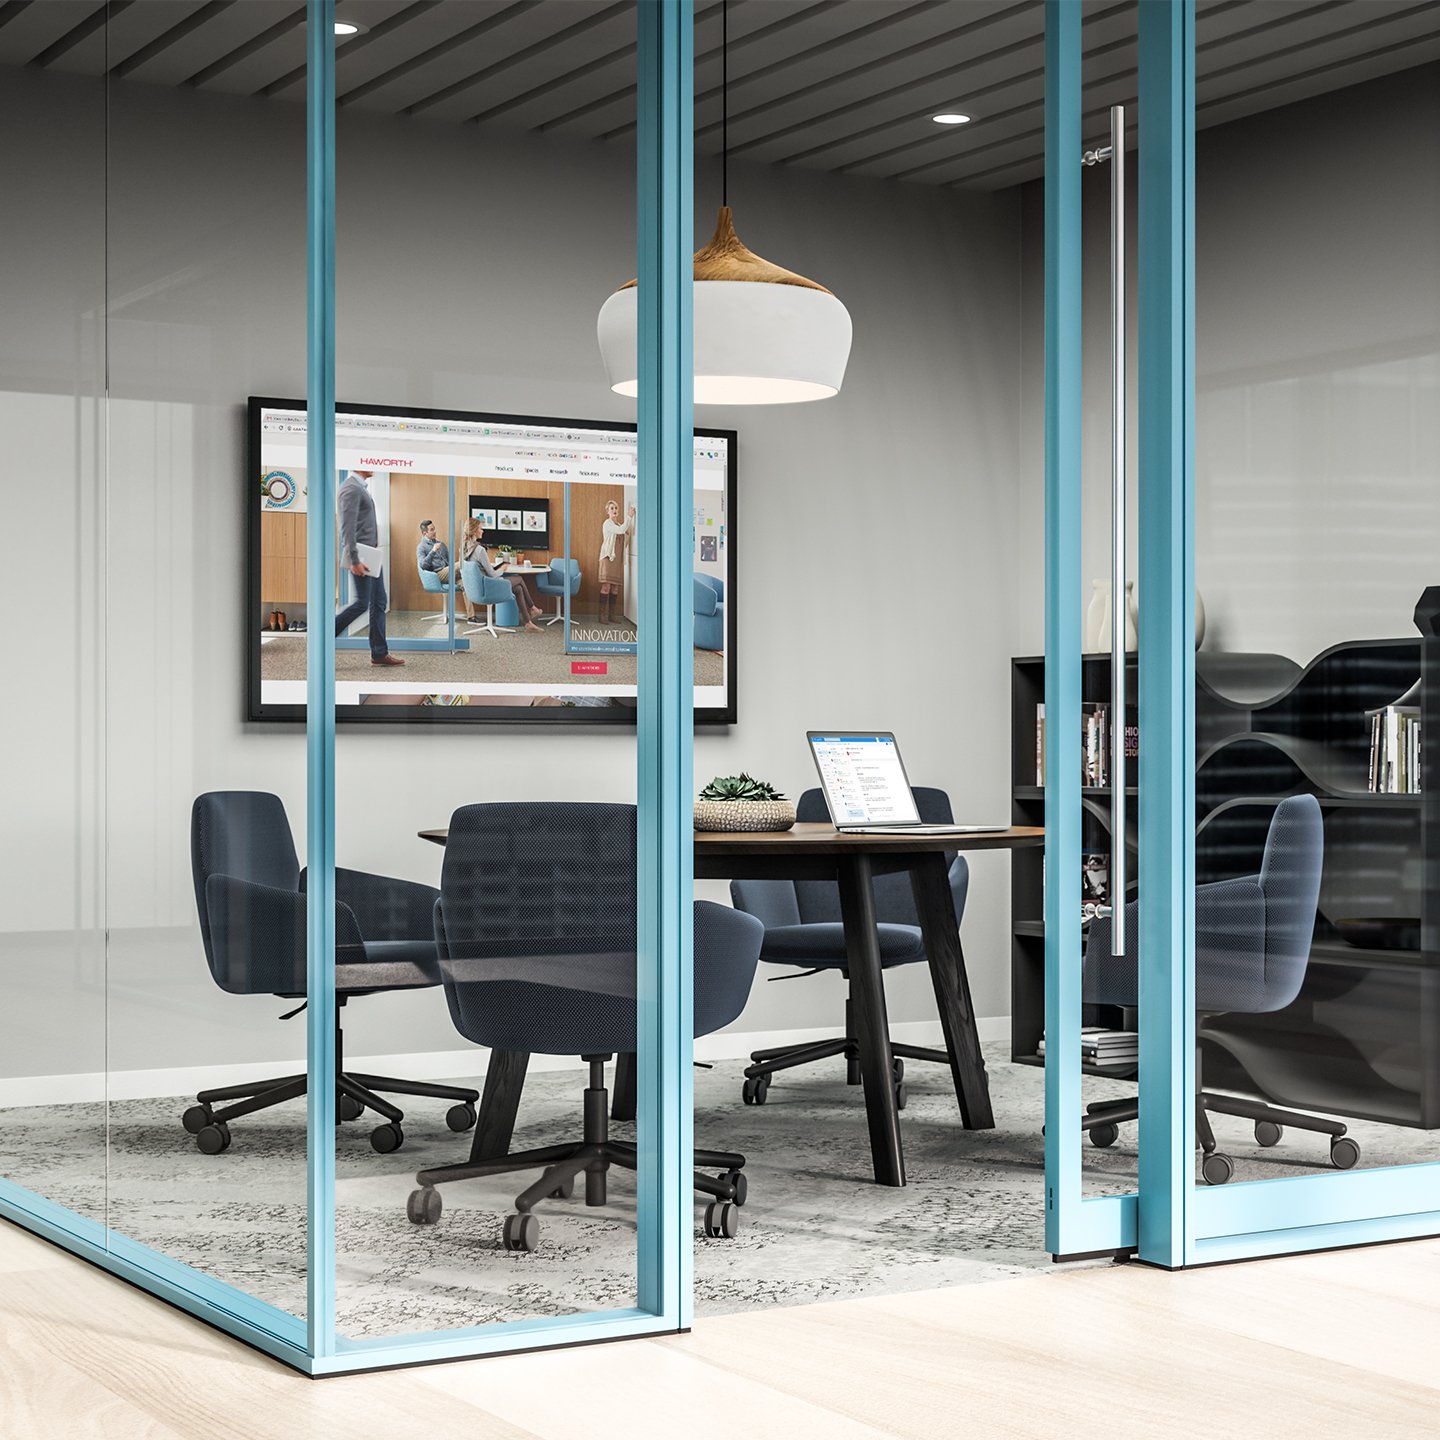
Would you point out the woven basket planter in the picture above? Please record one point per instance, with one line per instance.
(753, 815)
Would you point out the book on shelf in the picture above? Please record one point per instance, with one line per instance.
(1095, 763)
(1100, 1046)
(1395, 750)
(1094, 744)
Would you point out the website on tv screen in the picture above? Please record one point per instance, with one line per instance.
(485, 565)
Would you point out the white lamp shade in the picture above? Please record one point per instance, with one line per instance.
(755, 343)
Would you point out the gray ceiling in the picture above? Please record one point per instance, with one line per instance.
(835, 85)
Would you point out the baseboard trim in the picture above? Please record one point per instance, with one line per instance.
(91, 1087)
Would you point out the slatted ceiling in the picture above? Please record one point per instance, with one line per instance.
(425, 53)
(599, 28)
(843, 86)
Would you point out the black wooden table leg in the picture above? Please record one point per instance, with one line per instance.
(872, 1025)
(504, 1080)
(936, 906)
(622, 1106)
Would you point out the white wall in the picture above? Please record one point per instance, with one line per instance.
(1318, 372)
(875, 537)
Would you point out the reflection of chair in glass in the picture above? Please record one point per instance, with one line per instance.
(803, 927)
(432, 584)
(536, 933)
(250, 894)
(486, 590)
(562, 576)
(1252, 944)
(709, 605)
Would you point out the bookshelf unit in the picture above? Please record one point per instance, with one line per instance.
(1362, 1039)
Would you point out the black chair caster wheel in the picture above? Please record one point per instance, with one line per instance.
(213, 1138)
(897, 1070)
(757, 1087)
(347, 1107)
(460, 1117)
(1216, 1169)
(1344, 1153)
(1268, 1133)
(564, 1189)
(196, 1118)
(424, 1206)
(741, 1184)
(901, 1096)
(521, 1232)
(722, 1220)
(386, 1139)
(1104, 1136)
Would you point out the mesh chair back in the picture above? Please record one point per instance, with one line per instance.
(1290, 880)
(819, 900)
(536, 926)
(243, 834)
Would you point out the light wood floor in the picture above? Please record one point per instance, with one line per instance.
(1346, 1344)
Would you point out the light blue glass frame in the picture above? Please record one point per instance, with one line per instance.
(1074, 1225)
(664, 1006)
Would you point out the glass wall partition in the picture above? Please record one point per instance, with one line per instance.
(203, 881)
(1315, 527)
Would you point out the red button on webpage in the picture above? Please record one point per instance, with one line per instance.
(589, 667)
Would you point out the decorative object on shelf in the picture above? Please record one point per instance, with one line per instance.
(1199, 619)
(1097, 618)
(740, 802)
(763, 335)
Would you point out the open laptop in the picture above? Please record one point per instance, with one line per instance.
(867, 789)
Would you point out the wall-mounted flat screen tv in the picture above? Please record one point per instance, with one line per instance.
(497, 556)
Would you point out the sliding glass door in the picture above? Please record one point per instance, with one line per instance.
(1277, 983)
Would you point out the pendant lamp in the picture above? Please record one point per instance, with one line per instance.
(763, 335)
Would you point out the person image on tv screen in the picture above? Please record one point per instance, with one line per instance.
(472, 549)
(612, 563)
(358, 527)
(432, 553)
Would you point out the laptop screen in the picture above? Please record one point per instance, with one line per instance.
(864, 780)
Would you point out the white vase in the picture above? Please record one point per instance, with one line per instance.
(1199, 619)
(1132, 619)
(1095, 615)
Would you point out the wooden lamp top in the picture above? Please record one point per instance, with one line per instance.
(727, 257)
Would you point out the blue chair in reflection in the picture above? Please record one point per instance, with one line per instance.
(432, 584)
(803, 928)
(563, 577)
(709, 605)
(489, 591)
(1252, 946)
(250, 896)
(536, 932)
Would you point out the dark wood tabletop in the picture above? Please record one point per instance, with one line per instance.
(818, 839)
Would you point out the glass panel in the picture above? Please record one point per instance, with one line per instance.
(206, 815)
(52, 347)
(468, 292)
(1317, 521)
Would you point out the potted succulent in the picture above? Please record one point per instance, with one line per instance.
(740, 802)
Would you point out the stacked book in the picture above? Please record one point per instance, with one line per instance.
(1099, 1046)
(1395, 750)
(1096, 720)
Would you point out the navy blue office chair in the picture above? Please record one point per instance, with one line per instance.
(1252, 945)
(250, 895)
(536, 931)
(803, 927)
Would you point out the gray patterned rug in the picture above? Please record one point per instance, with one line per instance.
(815, 1227)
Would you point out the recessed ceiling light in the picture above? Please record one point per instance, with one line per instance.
(344, 27)
(951, 117)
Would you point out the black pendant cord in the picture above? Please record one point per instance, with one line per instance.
(724, 102)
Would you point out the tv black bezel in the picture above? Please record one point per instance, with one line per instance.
(257, 711)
